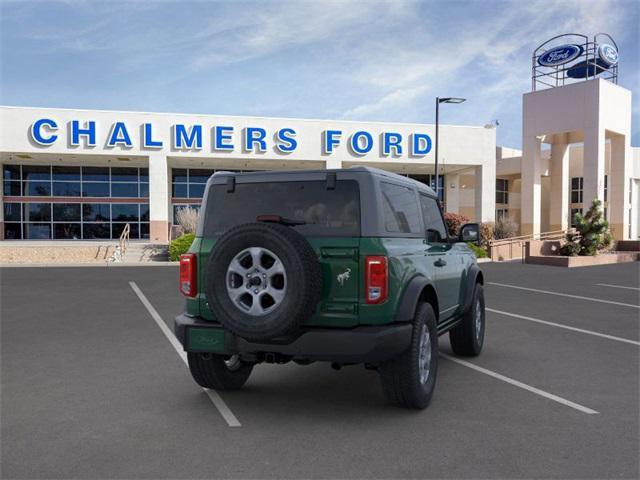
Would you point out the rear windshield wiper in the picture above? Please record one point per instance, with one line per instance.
(289, 222)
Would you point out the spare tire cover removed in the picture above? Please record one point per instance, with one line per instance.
(262, 280)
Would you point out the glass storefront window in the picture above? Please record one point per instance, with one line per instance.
(124, 212)
(196, 190)
(96, 212)
(11, 172)
(66, 173)
(69, 231)
(12, 231)
(66, 212)
(37, 212)
(95, 174)
(36, 172)
(75, 219)
(129, 190)
(96, 231)
(37, 189)
(95, 189)
(12, 212)
(66, 189)
(37, 231)
(12, 188)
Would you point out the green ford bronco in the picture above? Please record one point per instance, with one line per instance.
(345, 266)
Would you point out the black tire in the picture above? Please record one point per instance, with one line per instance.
(464, 338)
(400, 376)
(301, 292)
(211, 371)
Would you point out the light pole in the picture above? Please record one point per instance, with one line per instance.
(438, 102)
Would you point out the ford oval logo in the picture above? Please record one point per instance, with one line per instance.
(608, 54)
(560, 55)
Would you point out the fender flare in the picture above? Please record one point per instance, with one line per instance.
(474, 275)
(409, 301)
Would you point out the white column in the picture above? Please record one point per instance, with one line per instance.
(593, 166)
(531, 172)
(559, 204)
(485, 192)
(452, 192)
(619, 186)
(159, 198)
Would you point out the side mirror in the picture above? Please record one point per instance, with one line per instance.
(470, 232)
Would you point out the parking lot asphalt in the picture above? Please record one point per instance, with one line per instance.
(92, 388)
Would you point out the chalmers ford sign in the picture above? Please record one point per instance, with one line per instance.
(46, 132)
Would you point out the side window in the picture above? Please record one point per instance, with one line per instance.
(434, 224)
(401, 212)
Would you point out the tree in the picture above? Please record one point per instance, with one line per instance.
(591, 235)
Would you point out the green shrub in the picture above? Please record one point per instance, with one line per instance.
(592, 233)
(180, 245)
(479, 251)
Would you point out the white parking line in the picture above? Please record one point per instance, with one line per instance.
(216, 399)
(524, 386)
(566, 327)
(590, 299)
(617, 286)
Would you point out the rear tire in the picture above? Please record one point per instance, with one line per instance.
(467, 338)
(218, 372)
(409, 379)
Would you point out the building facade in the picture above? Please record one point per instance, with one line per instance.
(85, 174)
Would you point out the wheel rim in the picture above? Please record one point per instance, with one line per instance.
(425, 354)
(256, 281)
(478, 320)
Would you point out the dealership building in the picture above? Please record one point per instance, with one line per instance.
(85, 174)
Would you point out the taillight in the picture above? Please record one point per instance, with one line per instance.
(188, 278)
(376, 279)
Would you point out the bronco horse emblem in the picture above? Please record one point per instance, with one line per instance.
(343, 277)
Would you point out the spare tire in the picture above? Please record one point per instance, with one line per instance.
(262, 280)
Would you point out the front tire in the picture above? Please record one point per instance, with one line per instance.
(467, 338)
(409, 379)
(218, 372)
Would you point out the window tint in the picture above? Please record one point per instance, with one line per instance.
(401, 214)
(326, 212)
(434, 224)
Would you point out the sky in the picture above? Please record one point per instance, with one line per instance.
(345, 60)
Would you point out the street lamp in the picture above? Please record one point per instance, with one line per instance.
(438, 102)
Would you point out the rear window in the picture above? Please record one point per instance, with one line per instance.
(326, 212)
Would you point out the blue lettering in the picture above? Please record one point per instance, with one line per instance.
(286, 141)
(147, 138)
(356, 145)
(36, 131)
(392, 140)
(184, 139)
(253, 136)
(330, 140)
(222, 137)
(421, 144)
(89, 131)
(119, 136)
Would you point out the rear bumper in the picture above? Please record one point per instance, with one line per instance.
(364, 344)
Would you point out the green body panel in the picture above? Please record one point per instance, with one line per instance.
(342, 302)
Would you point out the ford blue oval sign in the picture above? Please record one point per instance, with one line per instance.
(560, 55)
(608, 54)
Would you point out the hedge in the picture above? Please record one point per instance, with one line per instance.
(180, 245)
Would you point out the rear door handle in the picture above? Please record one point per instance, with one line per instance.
(440, 263)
